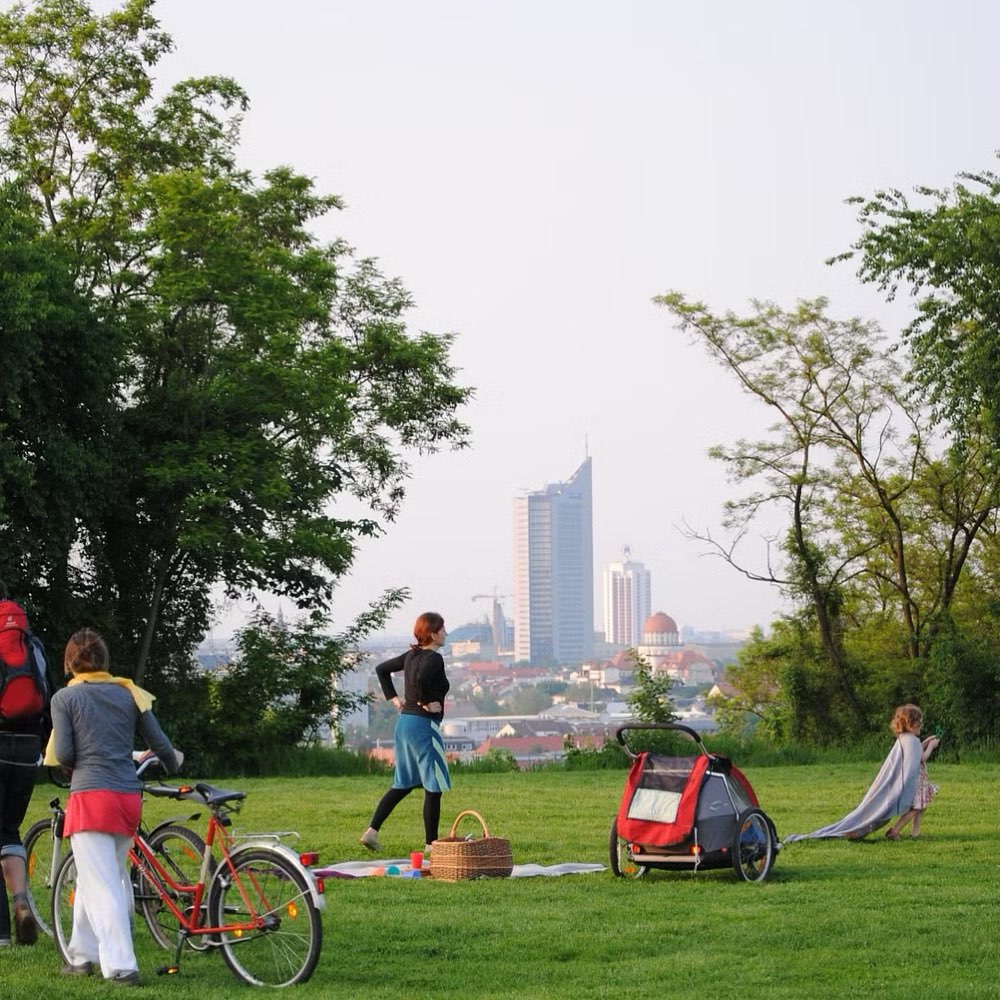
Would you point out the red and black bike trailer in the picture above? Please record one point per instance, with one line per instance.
(688, 813)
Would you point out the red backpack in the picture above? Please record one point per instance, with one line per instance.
(24, 672)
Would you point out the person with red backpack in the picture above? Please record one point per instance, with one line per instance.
(24, 697)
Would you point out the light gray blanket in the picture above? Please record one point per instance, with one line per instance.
(360, 869)
(890, 794)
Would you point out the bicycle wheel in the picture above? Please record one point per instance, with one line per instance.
(63, 897)
(621, 857)
(60, 776)
(180, 851)
(263, 886)
(39, 846)
(753, 846)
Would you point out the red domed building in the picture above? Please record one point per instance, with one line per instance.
(662, 649)
(660, 632)
(660, 638)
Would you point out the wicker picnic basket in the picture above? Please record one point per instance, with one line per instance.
(455, 858)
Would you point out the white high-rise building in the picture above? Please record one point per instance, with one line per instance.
(554, 572)
(626, 601)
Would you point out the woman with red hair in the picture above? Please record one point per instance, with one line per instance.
(419, 746)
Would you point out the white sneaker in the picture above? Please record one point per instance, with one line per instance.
(370, 840)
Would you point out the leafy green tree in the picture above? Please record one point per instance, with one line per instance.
(578, 693)
(552, 687)
(527, 700)
(649, 699)
(964, 693)
(803, 367)
(279, 690)
(485, 703)
(883, 518)
(943, 246)
(56, 383)
(758, 699)
(782, 687)
(263, 377)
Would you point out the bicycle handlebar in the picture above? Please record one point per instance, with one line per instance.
(669, 726)
(162, 791)
(675, 726)
(144, 760)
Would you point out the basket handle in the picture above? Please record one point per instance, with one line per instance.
(469, 812)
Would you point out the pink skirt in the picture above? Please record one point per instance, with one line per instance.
(104, 812)
(925, 790)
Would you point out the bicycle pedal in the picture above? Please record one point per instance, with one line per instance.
(168, 970)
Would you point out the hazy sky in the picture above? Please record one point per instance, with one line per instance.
(536, 172)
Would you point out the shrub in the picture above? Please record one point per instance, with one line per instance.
(494, 762)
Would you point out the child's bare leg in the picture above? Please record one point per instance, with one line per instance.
(917, 815)
(893, 832)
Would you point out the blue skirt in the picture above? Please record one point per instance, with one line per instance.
(420, 759)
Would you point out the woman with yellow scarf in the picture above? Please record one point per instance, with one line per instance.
(94, 721)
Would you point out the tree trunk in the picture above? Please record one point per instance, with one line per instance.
(151, 619)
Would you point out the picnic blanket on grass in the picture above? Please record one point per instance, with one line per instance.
(362, 869)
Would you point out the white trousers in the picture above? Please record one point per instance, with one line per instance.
(102, 928)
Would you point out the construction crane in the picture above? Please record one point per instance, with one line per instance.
(498, 623)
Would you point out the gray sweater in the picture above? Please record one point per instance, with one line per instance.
(94, 728)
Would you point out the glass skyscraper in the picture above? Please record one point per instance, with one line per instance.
(554, 572)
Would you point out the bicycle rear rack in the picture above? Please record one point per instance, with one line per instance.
(269, 837)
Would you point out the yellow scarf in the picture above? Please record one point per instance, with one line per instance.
(143, 700)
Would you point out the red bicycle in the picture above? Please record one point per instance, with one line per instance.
(253, 898)
(45, 848)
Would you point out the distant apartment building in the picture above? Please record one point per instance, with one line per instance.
(554, 572)
(627, 601)
(354, 682)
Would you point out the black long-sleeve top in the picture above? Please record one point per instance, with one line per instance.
(424, 680)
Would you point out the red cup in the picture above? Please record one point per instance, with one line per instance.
(416, 860)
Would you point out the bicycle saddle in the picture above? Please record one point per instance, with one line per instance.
(216, 796)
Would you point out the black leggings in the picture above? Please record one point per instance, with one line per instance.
(392, 798)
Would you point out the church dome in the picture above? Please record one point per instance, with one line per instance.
(658, 624)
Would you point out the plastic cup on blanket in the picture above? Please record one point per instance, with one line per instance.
(417, 860)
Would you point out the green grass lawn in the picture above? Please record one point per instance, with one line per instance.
(836, 919)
